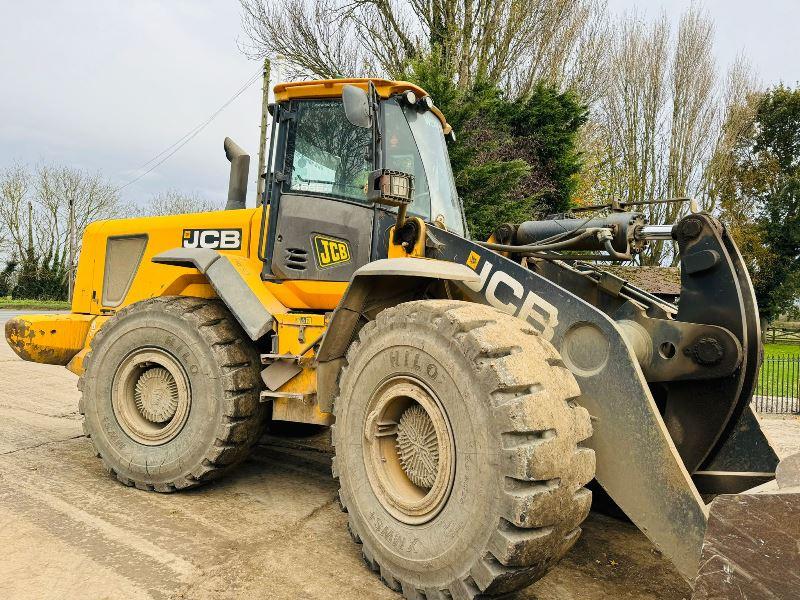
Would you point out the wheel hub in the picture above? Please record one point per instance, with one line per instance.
(150, 396)
(156, 395)
(410, 453)
(417, 446)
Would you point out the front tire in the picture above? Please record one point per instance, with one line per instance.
(457, 450)
(170, 393)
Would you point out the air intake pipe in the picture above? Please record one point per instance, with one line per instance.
(240, 170)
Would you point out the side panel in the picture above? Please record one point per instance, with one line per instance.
(166, 233)
(227, 231)
(321, 239)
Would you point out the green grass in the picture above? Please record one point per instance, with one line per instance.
(780, 378)
(22, 304)
(772, 350)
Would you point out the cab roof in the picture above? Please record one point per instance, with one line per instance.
(332, 88)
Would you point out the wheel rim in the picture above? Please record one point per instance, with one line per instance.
(150, 396)
(409, 454)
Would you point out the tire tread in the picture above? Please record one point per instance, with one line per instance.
(242, 422)
(543, 501)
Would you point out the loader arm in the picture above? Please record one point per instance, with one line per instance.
(668, 389)
(638, 464)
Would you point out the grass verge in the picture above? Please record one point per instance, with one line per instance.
(780, 373)
(22, 304)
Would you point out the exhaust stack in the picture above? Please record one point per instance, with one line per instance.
(240, 169)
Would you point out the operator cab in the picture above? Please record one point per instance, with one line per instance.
(323, 212)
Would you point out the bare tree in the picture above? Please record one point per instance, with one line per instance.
(35, 207)
(569, 50)
(659, 115)
(695, 109)
(507, 42)
(737, 120)
(723, 175)
(175, 202)
(59, 189)
(314, 37)
(15, 185)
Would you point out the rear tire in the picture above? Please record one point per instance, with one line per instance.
(170, 393)
(458, 450)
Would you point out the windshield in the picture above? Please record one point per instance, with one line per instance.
(414, 144)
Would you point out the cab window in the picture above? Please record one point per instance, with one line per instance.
(401, 154)
(328, 155)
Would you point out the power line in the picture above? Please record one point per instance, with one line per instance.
(173, 148)
(202, 124)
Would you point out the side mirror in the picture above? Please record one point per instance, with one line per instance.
(356, 106)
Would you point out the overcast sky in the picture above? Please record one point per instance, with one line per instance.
(106, 84)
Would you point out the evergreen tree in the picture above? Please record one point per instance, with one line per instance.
(768, 182)
(511, 158)
(28, 280)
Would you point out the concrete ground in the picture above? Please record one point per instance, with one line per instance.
(272, 529)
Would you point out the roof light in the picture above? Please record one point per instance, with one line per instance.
(409, 97)
(425, 103)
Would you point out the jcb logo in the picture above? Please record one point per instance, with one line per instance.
(214, 239)
(331, 251)
(529, 307)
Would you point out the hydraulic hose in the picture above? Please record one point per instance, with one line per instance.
(525, 249)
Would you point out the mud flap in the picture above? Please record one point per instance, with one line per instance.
(751, 547)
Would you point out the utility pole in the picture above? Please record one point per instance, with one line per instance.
(262, 142)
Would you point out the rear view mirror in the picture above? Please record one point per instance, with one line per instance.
(356, 106)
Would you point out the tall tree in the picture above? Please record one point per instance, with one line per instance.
(508, 43)
(57, 187)
(512, 158)
(766, 202)
(658, 116)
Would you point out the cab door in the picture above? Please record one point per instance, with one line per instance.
(320, 222)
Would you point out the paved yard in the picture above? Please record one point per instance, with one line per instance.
(271, 530)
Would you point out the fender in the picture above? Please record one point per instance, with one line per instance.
(236, 283)
(375, 286)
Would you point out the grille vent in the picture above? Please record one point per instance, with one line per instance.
(296, 259)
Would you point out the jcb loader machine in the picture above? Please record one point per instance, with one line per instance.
(474, 389)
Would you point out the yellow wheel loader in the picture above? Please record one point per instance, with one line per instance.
(474, 389)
